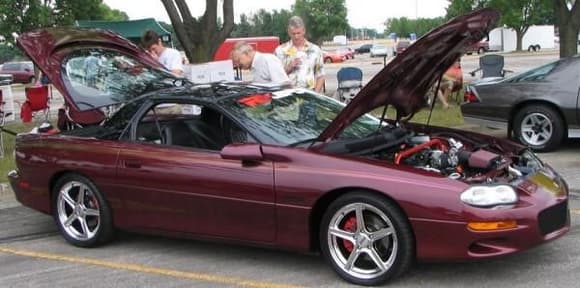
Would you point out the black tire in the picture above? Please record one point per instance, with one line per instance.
(537, 47)
(395, 247)
(327, 60)
(31, 80)
(539, 127)
(91, 208)
(481, 50)
(531, 48)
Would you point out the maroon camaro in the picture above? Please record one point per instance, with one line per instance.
(279, 167)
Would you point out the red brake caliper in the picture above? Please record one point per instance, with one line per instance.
(350, 226)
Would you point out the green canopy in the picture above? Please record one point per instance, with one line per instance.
(131, 29)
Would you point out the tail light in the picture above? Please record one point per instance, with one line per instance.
(469, 96)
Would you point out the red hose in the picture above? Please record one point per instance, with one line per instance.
(406, 153)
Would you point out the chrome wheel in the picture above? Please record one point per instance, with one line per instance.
(362, 241)
(536, 129)
(78, 211)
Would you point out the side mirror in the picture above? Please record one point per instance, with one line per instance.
(243, 152)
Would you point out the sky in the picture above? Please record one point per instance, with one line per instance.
(361, 13)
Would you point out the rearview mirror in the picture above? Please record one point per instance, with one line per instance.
(242, 152)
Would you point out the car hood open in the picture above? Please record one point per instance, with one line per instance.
(49, 48)
(404, 82)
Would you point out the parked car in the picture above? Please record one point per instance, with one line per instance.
(401, 46)
(480, 47)
(6, 79)
(345, 52)
(332, 56)
(538, 107)
(379, 50)
(22, 72)
(364, 48)
(282, 167)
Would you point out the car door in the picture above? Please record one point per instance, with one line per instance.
(177, 185)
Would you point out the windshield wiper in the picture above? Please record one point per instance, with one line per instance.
(303, 142)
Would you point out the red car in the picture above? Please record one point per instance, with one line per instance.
(22, 72)
(333, 56)
(285, 168)
(346, 52)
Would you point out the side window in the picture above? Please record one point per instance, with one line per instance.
(190, 126)
(535, 74)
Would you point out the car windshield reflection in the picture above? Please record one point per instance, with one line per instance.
(292, 116)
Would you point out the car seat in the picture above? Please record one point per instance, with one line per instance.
(491, 66)
(349, 83)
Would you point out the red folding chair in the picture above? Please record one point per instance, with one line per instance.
(37, 100)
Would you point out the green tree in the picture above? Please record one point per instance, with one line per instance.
(460, 7)
(263, 23)
(18, 16)
(109, 14)
(68, 11)
(404, 26)
(567, 14)
(200, 37)
(521, 14)
(324, 18)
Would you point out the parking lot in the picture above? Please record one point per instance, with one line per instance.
(33, 254)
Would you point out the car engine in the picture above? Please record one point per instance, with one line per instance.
(441, 153)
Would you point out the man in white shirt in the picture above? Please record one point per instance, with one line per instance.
(168, 57)
(266, 68)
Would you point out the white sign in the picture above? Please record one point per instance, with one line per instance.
(209, 72)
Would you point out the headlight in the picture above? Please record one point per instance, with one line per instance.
(488, 196)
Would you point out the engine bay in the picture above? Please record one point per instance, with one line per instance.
(449, 154)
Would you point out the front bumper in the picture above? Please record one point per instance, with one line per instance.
(542, 214)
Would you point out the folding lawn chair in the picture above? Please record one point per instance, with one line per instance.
(349, 83)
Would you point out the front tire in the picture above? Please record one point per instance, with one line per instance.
(366, 239)
(80, 211)
(539, 127)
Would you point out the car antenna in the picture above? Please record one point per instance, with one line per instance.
(434, 99)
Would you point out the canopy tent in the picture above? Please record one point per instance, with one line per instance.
(131, 29)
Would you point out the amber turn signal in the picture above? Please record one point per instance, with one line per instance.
(490, 226)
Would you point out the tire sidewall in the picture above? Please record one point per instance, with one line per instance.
(406, 243)
(555, 120)
(105, 230)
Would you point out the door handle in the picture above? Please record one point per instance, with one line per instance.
(132, 164)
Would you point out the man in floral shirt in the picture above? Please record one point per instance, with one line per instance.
(303, 61)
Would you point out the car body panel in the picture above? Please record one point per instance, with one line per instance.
(501, 99)
(379, 50)
(22, 72)
(364, 48)
(270, 182)
(333, 56)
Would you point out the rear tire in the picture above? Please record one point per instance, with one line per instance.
(539, 127)
(327, 60)
(481, 50)
(80, 211)
(366, 239)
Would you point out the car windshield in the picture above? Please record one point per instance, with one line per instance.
(293, 116)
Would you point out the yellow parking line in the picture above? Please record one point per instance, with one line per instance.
(145, 269)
